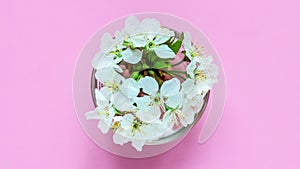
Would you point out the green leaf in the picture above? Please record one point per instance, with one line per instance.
(177, 45)
(116, 111)
(128, 44)
(135, 75)
(139, 77)
(170, 41)
(145, 66)
(151, 57)
(161, 64)
(151, 72)
(137, 67)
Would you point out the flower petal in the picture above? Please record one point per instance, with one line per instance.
(175, 100)
(170, 87)
(193, 105)
(169, 119)
(118, 118)
(187, 118)
(187, 85)
(161, 38)
(142, 102)
(121, 102)
(92, 115)
(119, 138)
(105, 93)
(138, 144)
(138, 40)
(130, 88)
(96, 59)
(108, 74)
(152, 131)
(150, 25)
(163, 51)
(131, 25)
(119, 38)
(150, 114)
(190, 69)
(198, 89)
(106, 120)
(101, 61)
(103, 127)
(132, 56)
(104, 75)
(102, 96)
(188, 53)
(197, 103)
(167, 32)
(149, 85)
(111, 114)
(187, 41)
(107, 43)
(127, 121)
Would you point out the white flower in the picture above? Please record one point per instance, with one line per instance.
(131, 26)
(108, 61)
(132, 56)
(192, 106)
(113, 49)
(104, 112)
(151, 35)
(110, 79)
(121, 91)
(118, 138)
(109, 47)
(132, 130)
(193, 52)
(173, 117)
(129, 131)
(193, 95)
(150, 105)
(190, 88)
(204, 73)
(192, 102)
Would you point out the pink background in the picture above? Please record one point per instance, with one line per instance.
(257, 42)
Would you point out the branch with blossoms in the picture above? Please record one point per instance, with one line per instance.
(152, 81)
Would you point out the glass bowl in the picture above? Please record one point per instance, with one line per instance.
(84, 83)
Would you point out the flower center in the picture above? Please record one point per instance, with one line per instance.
(156, 99)
(136, 127)
(151, 45)
(112, 85)
(105, 112)
(201, 74)
(116, 125)
(196, 52)
(116, 52)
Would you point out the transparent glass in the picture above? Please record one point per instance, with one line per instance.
(84, 83)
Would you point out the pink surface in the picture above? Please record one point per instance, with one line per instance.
(257, 42)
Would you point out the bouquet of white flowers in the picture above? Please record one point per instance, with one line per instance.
(151, 81)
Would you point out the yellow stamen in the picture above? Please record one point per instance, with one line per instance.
(112, 85)
(105, 112)
(201, 74)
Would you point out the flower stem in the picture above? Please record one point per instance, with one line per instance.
(177, 75)
(176, 71)
(178, 63)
